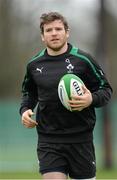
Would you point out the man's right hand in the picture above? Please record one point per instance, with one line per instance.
(27, 121)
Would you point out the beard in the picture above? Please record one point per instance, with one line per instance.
(56, 47)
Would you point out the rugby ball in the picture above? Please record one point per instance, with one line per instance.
(69, 85)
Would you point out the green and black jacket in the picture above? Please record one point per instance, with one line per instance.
(55, 122)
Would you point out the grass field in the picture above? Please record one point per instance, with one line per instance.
(101, 174)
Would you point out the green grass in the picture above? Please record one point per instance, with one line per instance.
(101, 174)
(107, 174)
(20, 175)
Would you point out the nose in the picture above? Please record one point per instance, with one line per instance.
(54, 32)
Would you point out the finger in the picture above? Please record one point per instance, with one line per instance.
(73, 101)
(33, 122)
(77, 109)
(73, 97)
(76, 98)
(79, 103)
(30, 124)
(83, 87)
(27, 115)
(27, 118)
(25, 121)
(75, 105)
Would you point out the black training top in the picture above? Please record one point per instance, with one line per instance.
(56, 124)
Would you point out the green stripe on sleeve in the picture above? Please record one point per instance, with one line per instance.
(74, 51)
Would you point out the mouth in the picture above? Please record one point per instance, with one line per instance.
(55, 40)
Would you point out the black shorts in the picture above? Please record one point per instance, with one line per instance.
(75, 160)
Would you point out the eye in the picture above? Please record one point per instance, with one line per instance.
(59, 29)
(48, 30)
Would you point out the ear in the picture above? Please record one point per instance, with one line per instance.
(42, 38)
(67, 33)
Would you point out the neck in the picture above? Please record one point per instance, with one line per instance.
(52, 52)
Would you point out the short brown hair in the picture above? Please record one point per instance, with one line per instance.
(52, 16)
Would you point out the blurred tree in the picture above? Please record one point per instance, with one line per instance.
(5, 41)
(102, 54)
(111, 22)
(18, 40)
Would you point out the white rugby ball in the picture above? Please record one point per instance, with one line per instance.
(69, 85)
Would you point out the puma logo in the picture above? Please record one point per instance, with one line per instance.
(39, 69)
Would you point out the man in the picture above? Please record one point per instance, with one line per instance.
(65, 143)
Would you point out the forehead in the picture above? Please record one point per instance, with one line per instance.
(56, 23)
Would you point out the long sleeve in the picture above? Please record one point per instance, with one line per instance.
(101, 96)
(29, 93)
(100, 87)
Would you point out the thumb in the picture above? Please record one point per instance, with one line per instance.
(84, 89)
(30, 112)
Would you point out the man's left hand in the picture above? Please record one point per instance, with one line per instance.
(80, 102)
